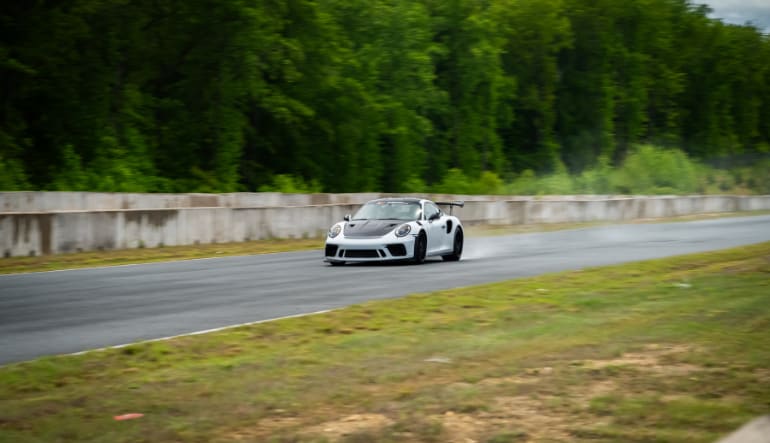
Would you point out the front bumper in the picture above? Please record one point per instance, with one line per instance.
(369, 249)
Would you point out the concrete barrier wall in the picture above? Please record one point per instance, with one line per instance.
(99, 201)
(614, 209)
(34, 201)
(58, 231)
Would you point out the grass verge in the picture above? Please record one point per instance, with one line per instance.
(666, 350)
(15, 265)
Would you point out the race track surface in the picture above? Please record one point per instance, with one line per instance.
(71, 311)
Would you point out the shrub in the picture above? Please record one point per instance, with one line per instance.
(289, 184)
(597, 180)
(557, 183)
(489, 184)
(454, 182)
(524, 184)
(651, 170)
(12, 177)
(414, 184)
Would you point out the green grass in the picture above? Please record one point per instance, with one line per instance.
(667, 350)
(14, 265)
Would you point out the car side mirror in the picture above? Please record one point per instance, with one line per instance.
(347, 217)
(435, 216)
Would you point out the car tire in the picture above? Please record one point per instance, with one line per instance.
(420, 249)
(457, 247)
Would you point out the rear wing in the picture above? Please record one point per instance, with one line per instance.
(451, 205)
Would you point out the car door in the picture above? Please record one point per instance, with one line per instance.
(443, 235)
(435, 227)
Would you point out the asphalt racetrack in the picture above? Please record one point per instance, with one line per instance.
(70, 311)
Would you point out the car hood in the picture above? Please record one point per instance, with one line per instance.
(370, 228)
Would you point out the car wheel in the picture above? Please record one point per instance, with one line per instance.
(457, 247)
(420, 249)
(336, 263)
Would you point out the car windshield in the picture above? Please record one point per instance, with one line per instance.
(389, 210)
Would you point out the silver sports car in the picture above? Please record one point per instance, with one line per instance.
(396, 229)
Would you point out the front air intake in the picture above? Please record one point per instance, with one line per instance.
(362, 253)
(397, 250)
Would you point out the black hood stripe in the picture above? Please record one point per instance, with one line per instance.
(370, 228)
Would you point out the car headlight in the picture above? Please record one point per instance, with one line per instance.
(403, 230)
(335, 231)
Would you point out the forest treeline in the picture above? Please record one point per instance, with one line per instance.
(373, 95)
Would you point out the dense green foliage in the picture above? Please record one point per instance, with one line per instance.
(646, 170)
(379, 95)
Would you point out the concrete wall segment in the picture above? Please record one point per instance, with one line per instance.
(39, 201)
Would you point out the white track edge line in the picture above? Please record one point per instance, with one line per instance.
(205, 331)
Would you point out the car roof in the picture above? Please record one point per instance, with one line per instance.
(398, 199)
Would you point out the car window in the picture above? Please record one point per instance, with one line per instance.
(388, 210)
(430, 210)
